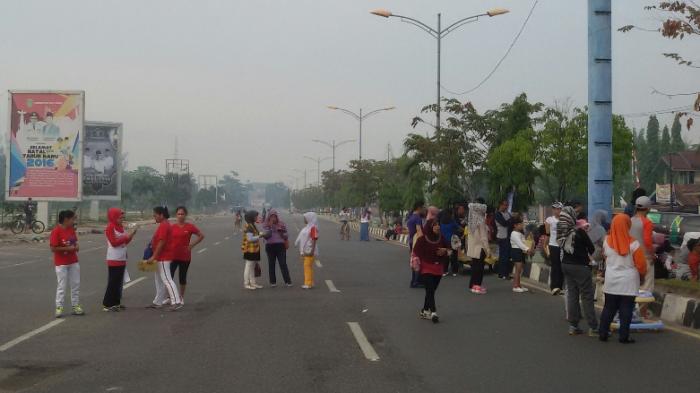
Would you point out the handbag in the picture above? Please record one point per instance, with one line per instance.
(148, 252)
(258, 271)
(415, 262)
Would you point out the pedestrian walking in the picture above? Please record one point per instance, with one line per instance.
(64, 246)
(576, 267)
(556, 276)
(163, 253)
(238, 222)
(308, 248)
(477, 245)
(518, 250)
(276, 245)
(503, 230)
(625, 263)
(415, 229)
(117, 240)
(448, 229)
(182, 232)
(250, 246)
(364, 225)
(344, 217)
(431, 252)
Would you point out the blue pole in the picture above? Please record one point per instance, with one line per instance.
(599, 107)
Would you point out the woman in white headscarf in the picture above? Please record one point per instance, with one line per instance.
(308, 249)
(477, 245)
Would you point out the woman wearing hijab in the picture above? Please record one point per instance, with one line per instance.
(117, 240)
(430, 250)
(477, 245)
(276, 244)
(626, 262)
(364, 225)
(308, 249)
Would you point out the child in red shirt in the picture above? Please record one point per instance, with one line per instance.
(64, 245)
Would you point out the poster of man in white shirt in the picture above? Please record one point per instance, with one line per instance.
(101, 152)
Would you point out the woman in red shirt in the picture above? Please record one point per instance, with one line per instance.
(163, 253)
(182, 232)
(64, 245)
(429, 249)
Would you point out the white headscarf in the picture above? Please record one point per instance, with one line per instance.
(477, 216)
(305, 233)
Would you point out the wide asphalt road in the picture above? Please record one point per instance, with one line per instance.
(228, 339)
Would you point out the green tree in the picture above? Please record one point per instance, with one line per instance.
(236, 193)
(665, 146)
(649, 155)
(511, 167)
(142, 188)
(677, 143)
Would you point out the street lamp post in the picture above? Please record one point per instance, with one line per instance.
(360, 117)
(302, 172)
(318, 166)
(333, 145)
(439, 33)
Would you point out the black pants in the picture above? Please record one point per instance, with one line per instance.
(115, 279)
(277, 252)
(614, 304)
(184, 266)
(431, 283)
(556, 279)
(452, 264)
(504, 265)
(477, 270)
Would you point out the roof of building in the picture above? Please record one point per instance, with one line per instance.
(688, 160)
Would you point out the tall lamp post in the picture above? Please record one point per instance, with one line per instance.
(360, 117)
(333, 145)
(318, 162)
(438, 33)
(303, 173)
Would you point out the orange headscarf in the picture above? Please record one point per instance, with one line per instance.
(619, 237)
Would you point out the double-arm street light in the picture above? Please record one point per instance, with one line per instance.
(333, 145)
(439, 33)
(318, 162)
(360, 117)
(302, 173)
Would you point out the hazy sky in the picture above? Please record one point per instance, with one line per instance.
(244, 85)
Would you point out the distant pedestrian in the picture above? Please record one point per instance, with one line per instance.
(182, 247)
(477, 245)
(448, 229)
(415, 230)
(238, 222)
(276, 245)
(344, 217)
(518, 251)
(630, 208)
(64, 246)
(163, 253)
(503, 230)
(431, 251)
(251, 251)
(117, 240)
(579, 281)
(365, 219)
(556, 277)
(625, 263)
(308, 248)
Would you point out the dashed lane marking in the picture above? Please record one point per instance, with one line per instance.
(202, 250)
(362, 341)
(217, 243)
(331, 286)
(31, 334)
(133, 282)
(318, 263)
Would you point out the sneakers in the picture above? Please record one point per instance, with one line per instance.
(273, 285)
(111, 309)
(59, 312)
(176, 307)
(288, 285)
(434, 317)
(306, 287)
(575, 331)
(258, 286)
(556, 291)
(424, 314)
(166, 302)
(478, 290)
(249, 287)
(78, 310)
(593, 332)
(454, 274)
(154, 306)
(520, 290)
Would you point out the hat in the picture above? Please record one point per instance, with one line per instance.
(643, 202)
(557, 205)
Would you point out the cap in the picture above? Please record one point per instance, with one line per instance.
(557, 205)
(643, 202)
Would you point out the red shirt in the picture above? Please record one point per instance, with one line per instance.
(181, 235)
(63, 237)
(693, 262)
(164, 232)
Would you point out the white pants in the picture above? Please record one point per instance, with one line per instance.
(165, 286)
(66, 274)
(249, 273)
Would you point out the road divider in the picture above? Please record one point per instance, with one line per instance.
(362, 341)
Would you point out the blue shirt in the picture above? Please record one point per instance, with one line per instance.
(449, 229)
(413, 221)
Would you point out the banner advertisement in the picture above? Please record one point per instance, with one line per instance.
(101, 161)
(46, 130)
(663, 194)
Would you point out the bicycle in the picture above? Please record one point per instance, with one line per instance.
(19, 225)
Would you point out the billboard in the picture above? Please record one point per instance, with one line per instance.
(45, 157)
(102, 171)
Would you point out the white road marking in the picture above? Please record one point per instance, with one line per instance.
(21, 264)
(226, 238)
(202, 250)
(318, 263)
(93, 249)
(133, 282)
(362, 341)
(331, 286)
(29, 335)
(217, 243)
